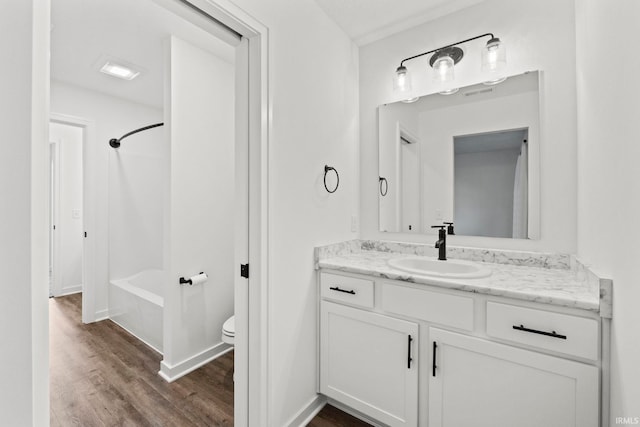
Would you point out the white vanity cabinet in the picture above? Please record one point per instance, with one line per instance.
(409, 354)
(474, 382)
(368, 361)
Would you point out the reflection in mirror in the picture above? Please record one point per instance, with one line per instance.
(490, 184)
(471, 158)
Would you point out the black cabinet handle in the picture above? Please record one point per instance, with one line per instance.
(409, 359)
(433, 362)
(535, 331)
(352, 292)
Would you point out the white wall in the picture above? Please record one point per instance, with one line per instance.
(539, 36)
(24, 219)
(199, 206)
(609, 178)
(313, 78)
(136, 189)
(69, 224)
(113, 118)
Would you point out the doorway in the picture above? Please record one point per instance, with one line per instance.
(251, 131)
(66, 218)
(72, 212)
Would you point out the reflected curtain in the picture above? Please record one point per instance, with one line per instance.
(520, 195)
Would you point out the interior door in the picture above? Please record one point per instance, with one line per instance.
(369, 362)
(478, 383)
(410, 177)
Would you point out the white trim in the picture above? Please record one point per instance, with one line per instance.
(308, 412)
(354, 413)
(89, 201)
(153, 347)
(172, 372)
(54, 199)
(68, 290)
(102, 315)
(241, 242)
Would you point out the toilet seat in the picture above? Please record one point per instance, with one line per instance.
(229, 330)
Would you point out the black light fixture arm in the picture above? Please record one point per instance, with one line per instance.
(115, 143)
(445, 47)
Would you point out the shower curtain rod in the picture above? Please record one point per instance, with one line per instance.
(115, 143)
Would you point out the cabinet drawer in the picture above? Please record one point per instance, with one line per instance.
(347, 289)
(445, 309)
(577, 336)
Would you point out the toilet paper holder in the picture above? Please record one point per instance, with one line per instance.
(184, 281)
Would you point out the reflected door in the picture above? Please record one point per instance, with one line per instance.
(409, 185)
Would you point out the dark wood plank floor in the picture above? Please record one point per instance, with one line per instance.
(100, 375)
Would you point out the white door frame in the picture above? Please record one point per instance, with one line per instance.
(54, 215)
(89, 201)
(252, 132)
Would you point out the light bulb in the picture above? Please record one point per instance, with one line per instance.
(449, 91)
(402, 80)
(494, 56)
(443, 69)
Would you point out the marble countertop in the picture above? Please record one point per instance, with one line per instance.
(557, 286)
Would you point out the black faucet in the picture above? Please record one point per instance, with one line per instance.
(441, 244)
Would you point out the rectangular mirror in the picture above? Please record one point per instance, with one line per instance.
(471, 158)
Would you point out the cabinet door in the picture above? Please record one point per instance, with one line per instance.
(483, 384)
(369, 362)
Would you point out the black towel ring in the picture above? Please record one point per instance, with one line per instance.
(326, 170)
(386, 185)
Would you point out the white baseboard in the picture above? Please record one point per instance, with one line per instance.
(171, 373)
(153, 347)
(355, 413)
(101, 315)
(306, 414)
(69, 290)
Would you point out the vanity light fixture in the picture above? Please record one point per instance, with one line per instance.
(443, 60)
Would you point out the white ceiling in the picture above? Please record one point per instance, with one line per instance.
(366, 21)
(85, 32)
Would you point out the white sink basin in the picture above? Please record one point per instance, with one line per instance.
(450, 269)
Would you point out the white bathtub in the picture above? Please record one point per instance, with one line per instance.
(136, 303)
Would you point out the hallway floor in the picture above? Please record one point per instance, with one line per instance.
(100, 375)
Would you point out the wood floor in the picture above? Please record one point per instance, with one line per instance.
(102, 376)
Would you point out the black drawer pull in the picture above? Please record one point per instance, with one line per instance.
(535, 331)
(352, 292)
(409, 359)
(433, 362)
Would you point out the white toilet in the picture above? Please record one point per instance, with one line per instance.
(229, 330)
